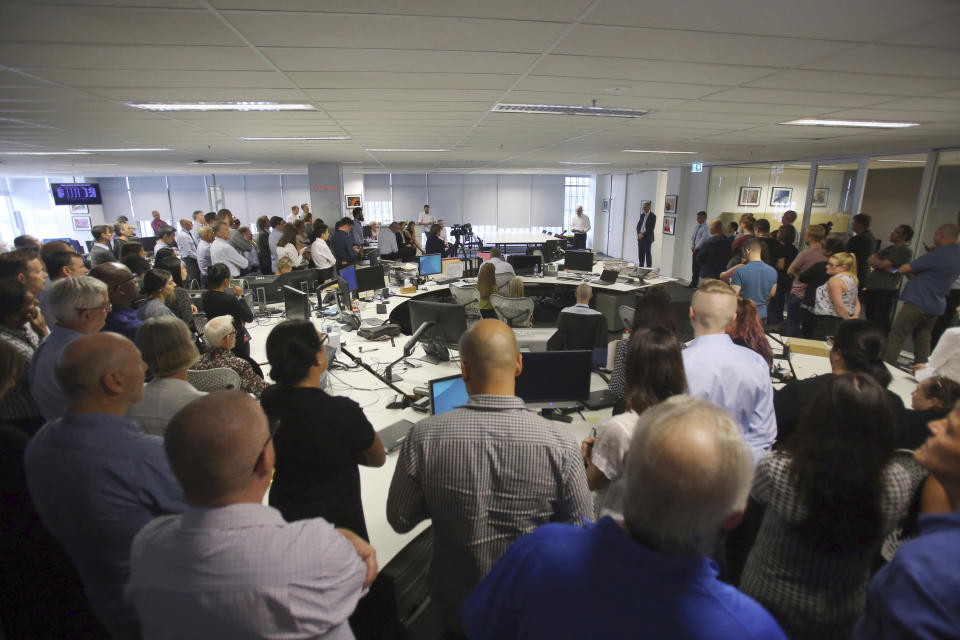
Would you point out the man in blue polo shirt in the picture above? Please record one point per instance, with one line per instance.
(648, 576)
(924, 297)
(917, 594)
(755, 280)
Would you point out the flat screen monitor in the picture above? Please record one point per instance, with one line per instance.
(76, 193)
(446, 394)
(148, 243)
(296, 304)
(70, 241)
(578, 260)
(450, 320)
(431, 264)
(555, 376)
(370, 279)
(524, 265)
(349, 275)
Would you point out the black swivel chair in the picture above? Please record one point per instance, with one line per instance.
(579, 331)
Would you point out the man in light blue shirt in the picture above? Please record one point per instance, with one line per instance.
(188, 250)
(728, 375)
(80, 307)
(700, 233)
(94, 478)
(755, 280)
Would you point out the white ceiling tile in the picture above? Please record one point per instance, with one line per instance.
(146, 94)
(823, 19)
(648, 70)
(94, 79)
(331, 96)
(561, 10)
(885, 85)
(796, 97)
(949, 94)
(112, 25)
(394, 80)
(603, 87)
(383, 60)
(893, 59)
(693, 46)
(938, 33)
(270, 29)
(924, 104)
(747, 108)
(582, 99)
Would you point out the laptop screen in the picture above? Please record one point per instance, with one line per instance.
(446, 394)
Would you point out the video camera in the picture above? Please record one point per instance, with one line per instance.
(458, 230)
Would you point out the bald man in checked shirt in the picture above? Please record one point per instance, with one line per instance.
(444, 472)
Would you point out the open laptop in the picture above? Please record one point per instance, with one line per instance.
(446, 394)
(609, 276)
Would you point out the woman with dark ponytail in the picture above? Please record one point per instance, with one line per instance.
(858, 347)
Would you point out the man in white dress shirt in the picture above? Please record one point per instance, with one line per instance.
(294, 214)
(187, 243)
(580, 225)
(231, 567)
(222, 251)
(728, 375)
(700, 233)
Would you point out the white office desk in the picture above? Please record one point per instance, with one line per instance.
(373, 396)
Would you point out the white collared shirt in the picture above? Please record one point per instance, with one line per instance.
(580, 224)
(223, 252)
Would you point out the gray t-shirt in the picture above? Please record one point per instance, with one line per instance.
(882, 279)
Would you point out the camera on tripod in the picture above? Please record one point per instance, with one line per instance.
(458, 230)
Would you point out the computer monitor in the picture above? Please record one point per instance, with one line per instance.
(555, 376)
(370, 279)
(524, 265)
(431, 264)
(296, 304)
(450, 322)
(578, 260)
(446, 394)
(349, 275)
(70, 241)
(148, 243)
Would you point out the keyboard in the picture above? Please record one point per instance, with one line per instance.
(575, 278)
(447, 281)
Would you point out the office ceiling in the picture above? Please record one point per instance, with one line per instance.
(717, 78)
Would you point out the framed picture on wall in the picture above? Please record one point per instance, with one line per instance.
(605, 205)
(750, 196)
(79, 208)
(669, 225)
(354, 201)
(81, 223)
(820, 195)
(669, 205)
(780, 196)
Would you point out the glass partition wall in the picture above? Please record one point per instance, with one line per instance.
(763, 190)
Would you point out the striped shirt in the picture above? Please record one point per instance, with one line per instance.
(486, 474)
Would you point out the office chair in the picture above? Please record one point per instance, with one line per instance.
(626, 316)
(579, 331)
(213, 379)
(515, 312)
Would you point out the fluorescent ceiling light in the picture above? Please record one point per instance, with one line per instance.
(583, 163)
(874, 124)
(122, 150)
(221, 106)
(44, 153)
(654, 151)
(908, 161)
(568, 110)
(293, 139)
(408, 150)
(209, 163)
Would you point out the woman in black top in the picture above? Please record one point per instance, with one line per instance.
(217, 301)
(858, 347)
(182, 307)
(263, 245)
(320, 438)
(435, 243)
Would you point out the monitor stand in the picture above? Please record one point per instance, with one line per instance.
(436, 352)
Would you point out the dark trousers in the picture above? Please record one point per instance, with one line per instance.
(878, 305)
(943, 322)
(695, 278)
(796, 314)
(193, 272)
(645, 259)
(579, 240)
(910, 321)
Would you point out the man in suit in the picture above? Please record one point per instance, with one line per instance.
(101, 252)
(645, 227)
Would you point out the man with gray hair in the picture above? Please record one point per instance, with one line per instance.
(231, 567)
(222, 250)
(80, 307)
(583, 294)
(688, 478)
(731, 376)
(94, 478)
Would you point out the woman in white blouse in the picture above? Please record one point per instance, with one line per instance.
(654, 372)
(290, 247)
(323, 259)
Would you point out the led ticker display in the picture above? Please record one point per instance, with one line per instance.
(76, 193)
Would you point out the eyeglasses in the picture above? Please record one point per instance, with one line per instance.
(107, 307)
(274, 427)
(132, 276)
